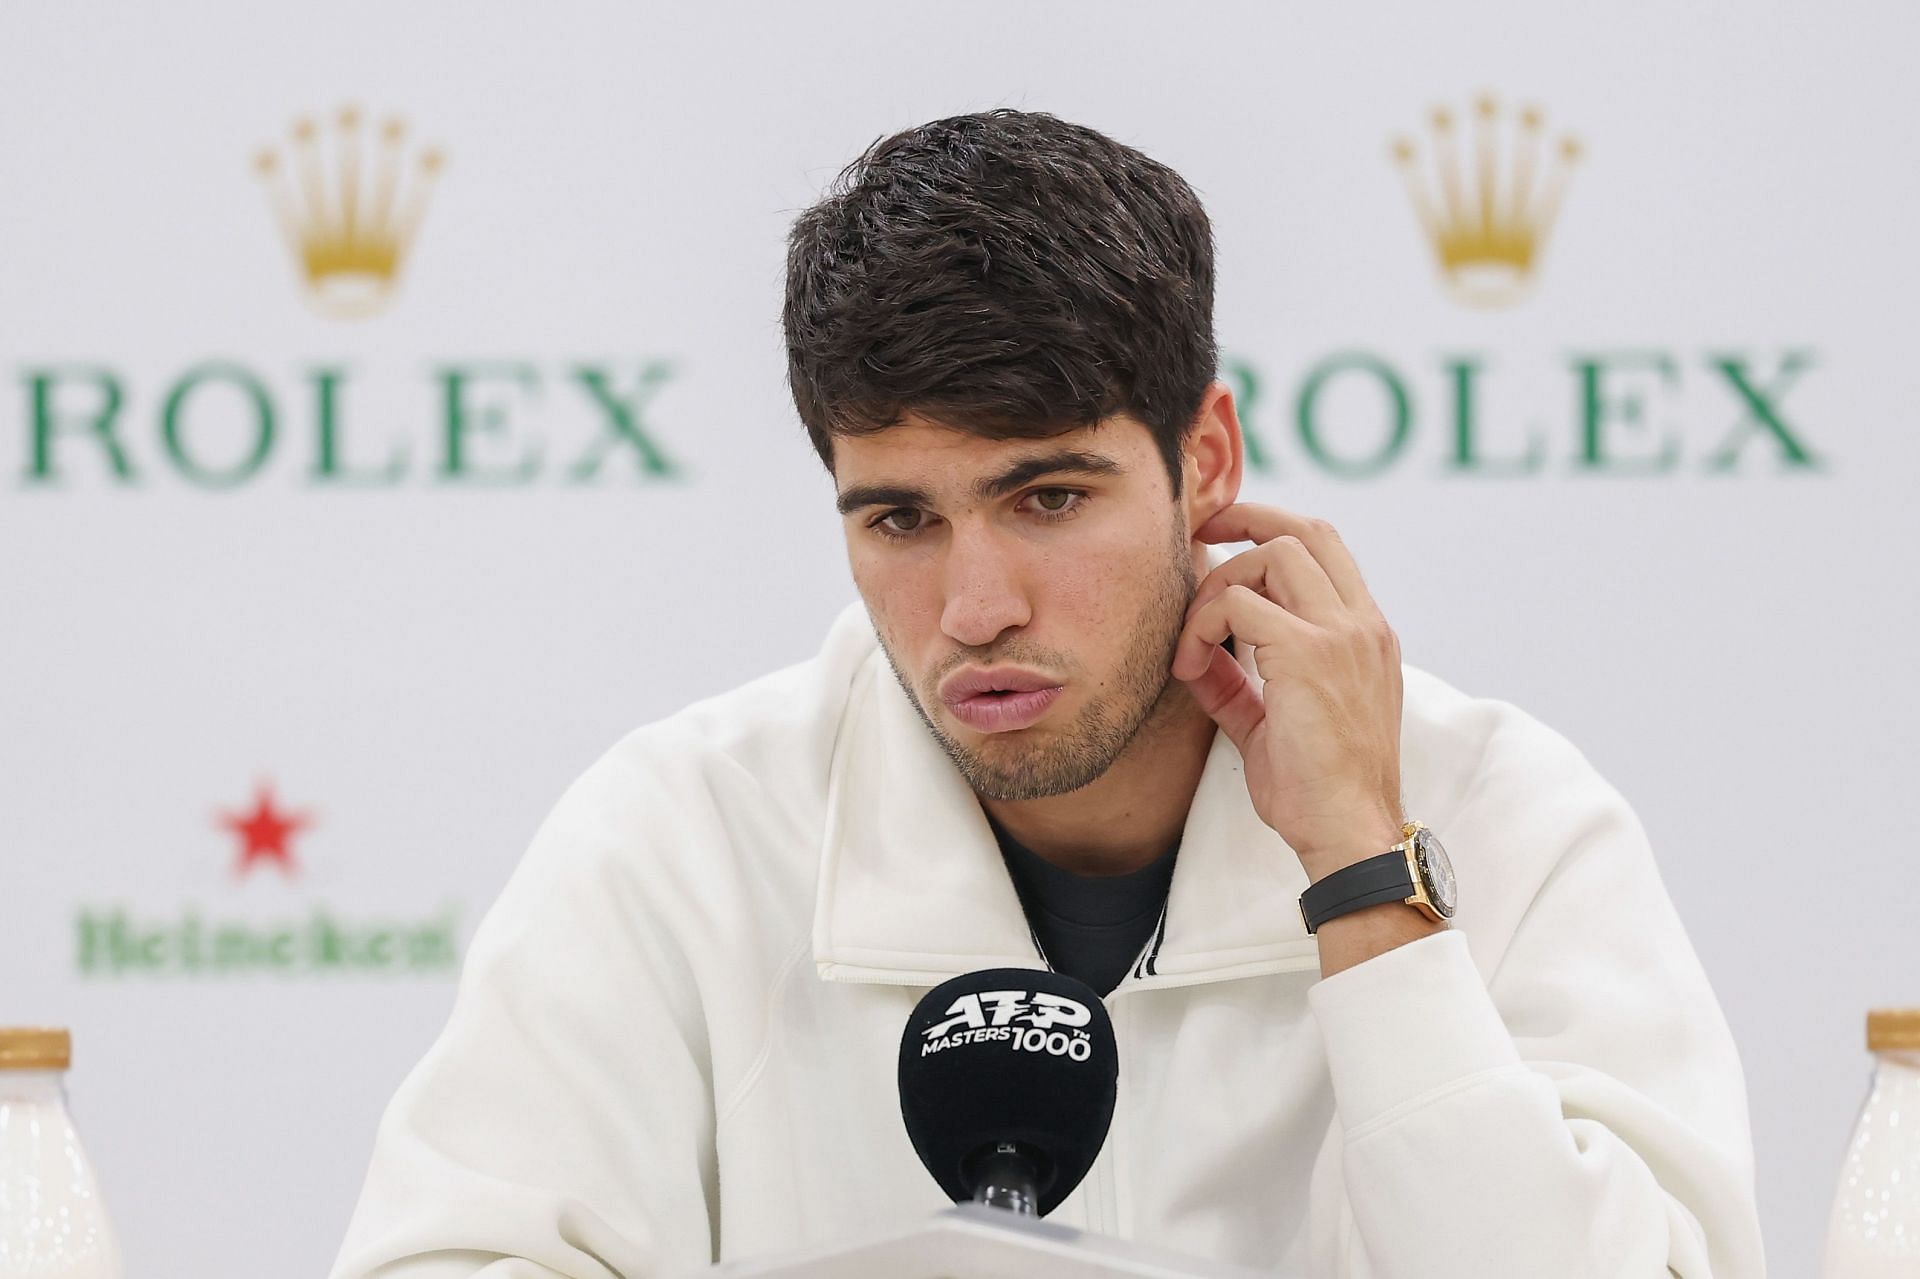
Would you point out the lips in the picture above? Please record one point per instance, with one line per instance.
(999, 699)
(993, 679)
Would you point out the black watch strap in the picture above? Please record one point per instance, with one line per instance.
(1373, 882)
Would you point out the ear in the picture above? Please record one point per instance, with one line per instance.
(1211, 457)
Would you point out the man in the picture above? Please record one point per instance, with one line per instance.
(1066, 724)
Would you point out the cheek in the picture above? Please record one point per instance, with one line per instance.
(903, 602)
(1106, 567)
(1098, 591)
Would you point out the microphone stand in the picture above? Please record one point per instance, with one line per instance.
(1007, 1179)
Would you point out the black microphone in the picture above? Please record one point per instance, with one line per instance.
(1007, 1084)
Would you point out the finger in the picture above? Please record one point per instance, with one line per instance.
(1252, 522)
(1284, 571)
(1230, 697)
(1245, 614)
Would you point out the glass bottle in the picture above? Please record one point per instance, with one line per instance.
(1874, 1232)
(52, 1224)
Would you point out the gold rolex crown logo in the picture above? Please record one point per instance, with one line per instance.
(1487, 219)
(349, 219)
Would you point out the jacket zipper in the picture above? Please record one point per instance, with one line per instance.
(1102, 1191)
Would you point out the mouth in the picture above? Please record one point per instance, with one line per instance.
(999, 700)
(1003, 712)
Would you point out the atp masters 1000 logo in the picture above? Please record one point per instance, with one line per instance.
(191, 941)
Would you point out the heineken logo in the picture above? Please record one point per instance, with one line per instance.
(265, 832)
(115, 943)
(194, 940)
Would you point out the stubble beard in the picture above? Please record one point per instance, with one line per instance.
(1081, 753)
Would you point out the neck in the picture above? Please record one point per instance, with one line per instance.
(1131, 813)
(46, 1087)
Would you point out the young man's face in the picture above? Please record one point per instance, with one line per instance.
(1066, 560)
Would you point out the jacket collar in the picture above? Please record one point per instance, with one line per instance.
(913, 890)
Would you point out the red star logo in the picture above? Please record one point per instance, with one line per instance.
(264, 832)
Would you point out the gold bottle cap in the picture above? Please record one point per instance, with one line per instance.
(1893, 1030)
(24, 1048)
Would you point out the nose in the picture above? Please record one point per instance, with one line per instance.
(984, 593)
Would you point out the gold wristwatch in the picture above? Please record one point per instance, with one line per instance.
(1416, 871)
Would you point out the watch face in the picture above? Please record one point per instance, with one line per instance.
(1436, 868)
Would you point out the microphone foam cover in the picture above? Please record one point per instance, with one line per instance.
(1009, 1055)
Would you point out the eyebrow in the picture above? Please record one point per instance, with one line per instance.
(1025, 471)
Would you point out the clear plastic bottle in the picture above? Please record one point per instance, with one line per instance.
(52, 1224)
(1875, 1229)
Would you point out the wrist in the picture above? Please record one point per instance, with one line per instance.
(1364, 841)
(1353, 939)
(1412, 874)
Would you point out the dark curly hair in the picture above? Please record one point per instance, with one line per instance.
(1008, 273)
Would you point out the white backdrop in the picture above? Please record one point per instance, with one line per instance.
(371, 565)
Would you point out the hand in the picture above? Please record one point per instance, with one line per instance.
(1319, 731)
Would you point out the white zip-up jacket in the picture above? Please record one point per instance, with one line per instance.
(677, 1030)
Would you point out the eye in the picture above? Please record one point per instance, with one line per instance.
(1057, 504)
(1050, 505)
(909, 520)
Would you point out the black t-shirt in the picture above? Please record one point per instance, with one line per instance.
(1091, 927)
